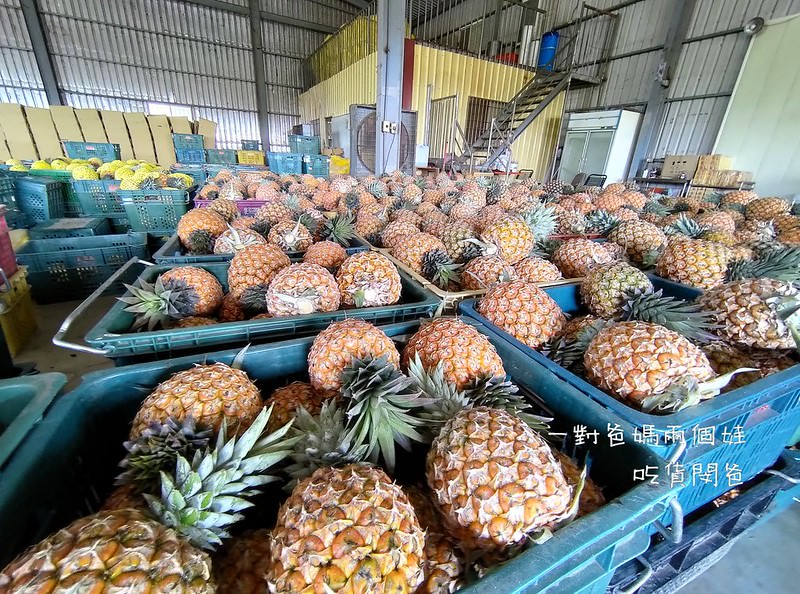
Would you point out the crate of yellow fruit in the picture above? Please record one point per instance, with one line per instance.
(377, 404)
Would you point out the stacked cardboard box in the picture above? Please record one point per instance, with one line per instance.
(717, 171)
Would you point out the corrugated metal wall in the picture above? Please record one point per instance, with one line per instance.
(123, 55)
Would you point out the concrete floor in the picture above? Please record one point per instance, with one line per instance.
(764, 560)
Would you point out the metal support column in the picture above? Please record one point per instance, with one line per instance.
(657, 100)
(44, 62)
(257, 43)
(391, 39)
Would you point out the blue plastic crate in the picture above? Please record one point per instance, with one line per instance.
(105, 151)
(285, 163)
(112, 336)
(750, 425)
(196, 172)
(251, 145)
(77, 446)
(7, 189)
(154, 211)
(172, 252)
(308, 145)
(222, 156)
(188, 141)
(72, 227)
(40, 198)
(317, 165)
(189, 156)
(71, 268)
(98, 196)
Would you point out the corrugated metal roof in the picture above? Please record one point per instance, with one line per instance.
(709, 66)
(327, 12)
(19, 76)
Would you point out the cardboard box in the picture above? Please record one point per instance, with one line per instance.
(675, 165)
(162, 139)
(5, 154)
(180, 125)
(66, 123)
(330, 152)
(715, 162)
(209, 131)
(723, 179)
(44, 132)
(91, 125)
(141, 139)
(117, 132)
(18, 135)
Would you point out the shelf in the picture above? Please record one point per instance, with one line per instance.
(739, 187)
(659, 180)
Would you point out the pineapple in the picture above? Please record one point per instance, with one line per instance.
(210, 394)
(718, 220)
(512, 236)
(516, 467)
(575, 257)
(610, 202)
(693, 262)
(382, 554)
(199, 228)
(523, 310)
(369, 227)
(464, 353)
(286, 400)
(454, 236)
(396, 232)
(193, 322)
(302, 289)
(765, 209)
(250, 273)
(368, 279)
(178, 293)
(274, 213)
(242, 565)
(234, 240)
(230, 310)
(537, 270)
(327, 254)
(591, 497)
(290, 236)
(484, 272)
(642, 241)
(162, 549)
(639, 360)
(335, 347)
(607, 287)
(739, 197)
(224, 207)
(412, 250)
(790, 237)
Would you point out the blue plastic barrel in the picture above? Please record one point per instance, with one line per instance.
(547, 50)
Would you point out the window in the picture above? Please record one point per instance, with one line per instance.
(168, 109)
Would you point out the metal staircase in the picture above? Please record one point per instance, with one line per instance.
(516, 116)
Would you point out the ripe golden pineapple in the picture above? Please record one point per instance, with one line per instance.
(396, 232)
(739, 197)
(641, 240)
(575, 325)
(693, 262)
(485, 272)
(765, 209)
(251, 271)
(327, 254)
(241, 567)
(302, 289)
(208, 394)
(274, 213)
(790, 237)
(412, 250)
(495, 479)
(607, 287)
(465, 353)
(230, 310)
(199, 228)
(748, 313)
(523, 310)
(635, 360)
(351, 529)
(368, 279)
(287, 399)
(575, 257)
(609, 201)
(454, 236)
(369, 227)
(717, 220)
(512, 236)
(193, 322)
(335, 347)
(226, 208)
(290, 236)
(537, 270)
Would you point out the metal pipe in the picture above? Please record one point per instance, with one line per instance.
(259, 69)
(41, 53)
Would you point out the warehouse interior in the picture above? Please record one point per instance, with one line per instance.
(422, 295)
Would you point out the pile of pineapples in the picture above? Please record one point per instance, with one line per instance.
(482, 480)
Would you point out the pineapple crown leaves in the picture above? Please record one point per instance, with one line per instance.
(602, 221)
(683, 317)
(483, 248)
(152, 304)
(687, 391)
(686, 226)
(323, 442)
(541, 220)
(201, 242)
(788, 309)
(380, 405)
(545, 248)
(309, 222)
(438, 268)
(569, 353)
(499, 392)
(204, 497)
(656, 208)
(339, 229)
(780, 264)
(157, 450)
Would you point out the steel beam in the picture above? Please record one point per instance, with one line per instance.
(265, 15)
(44, 61)
(656, 108)
(391, 39)
(360, 4)
(259, 68)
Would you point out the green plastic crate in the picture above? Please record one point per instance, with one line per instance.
(23, 401)
(111, 336)
(79, 444)
(307, 145)
(317, 165)
(190, 156)
(40, 198)
(196, 172)
(71, 268)
(221, 156)
(105, 151)
(70, 227)
(98, 196)
(188, 141)
(154, 211)
(172, 252)
(251, 145)
(285, 163)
